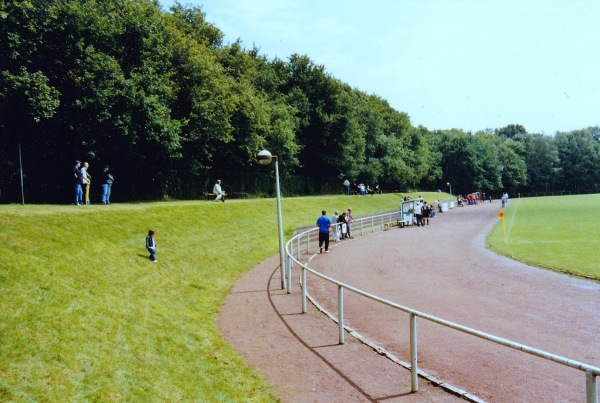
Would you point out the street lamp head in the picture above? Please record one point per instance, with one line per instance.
(264, 157)
(448, 184)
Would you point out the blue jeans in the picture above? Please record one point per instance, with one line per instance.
(105, 193)
(78, 193)
(152, 253)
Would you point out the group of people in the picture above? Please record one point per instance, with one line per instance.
(83, 182)
(423, 212)
(471, 199)
(341, 224)
(360, 189)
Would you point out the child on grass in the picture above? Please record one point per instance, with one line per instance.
(151, 245)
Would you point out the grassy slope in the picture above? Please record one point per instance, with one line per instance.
(559, 233)
(85, 316)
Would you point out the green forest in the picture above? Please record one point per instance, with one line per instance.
(157, 95)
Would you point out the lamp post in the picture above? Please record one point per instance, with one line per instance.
(264, 158)
(448, 184)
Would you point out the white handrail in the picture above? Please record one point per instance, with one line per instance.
(591, 372)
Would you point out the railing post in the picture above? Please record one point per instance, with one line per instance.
(298, 248)
(307, 242)
(414, 370)
(341, 313)
(361, 227)
(289, 276)
(591, 388)
(372, 225)
(304, 290)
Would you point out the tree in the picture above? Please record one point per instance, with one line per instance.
(579, 158)
(542, 161)
(512, 131)
(513, 166)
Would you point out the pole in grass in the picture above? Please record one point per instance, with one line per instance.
(21, 171)
(501, 216)
(264, 158)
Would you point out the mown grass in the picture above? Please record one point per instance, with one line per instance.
(558, 233)
(84, 315)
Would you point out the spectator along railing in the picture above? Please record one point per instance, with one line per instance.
(369, 225)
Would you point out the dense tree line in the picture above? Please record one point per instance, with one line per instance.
(159, 97)
(513, 160)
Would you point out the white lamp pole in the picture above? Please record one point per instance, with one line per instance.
(264, 158)
(450, 188)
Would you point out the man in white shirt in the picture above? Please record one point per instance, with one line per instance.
(336, 227)
(218, 191)
(86, 180)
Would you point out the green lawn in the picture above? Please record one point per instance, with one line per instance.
(559, 233)
(84, 315)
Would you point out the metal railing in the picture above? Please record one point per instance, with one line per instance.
(369, 225)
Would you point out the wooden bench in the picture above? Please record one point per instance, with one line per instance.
(388, 225)
(210, 196)
(402, 224)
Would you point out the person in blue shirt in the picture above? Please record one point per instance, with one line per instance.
(151, 245)
(323, 223)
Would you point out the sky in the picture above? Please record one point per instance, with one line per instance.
(464, 64)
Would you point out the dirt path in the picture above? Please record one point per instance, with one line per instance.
(442, 269)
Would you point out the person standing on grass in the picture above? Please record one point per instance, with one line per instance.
(86, 180)
(323, 223)
(151, 245)
(78, 190)
(107, 185)
(217, 190)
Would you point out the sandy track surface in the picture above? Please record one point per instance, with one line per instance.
(442, 269)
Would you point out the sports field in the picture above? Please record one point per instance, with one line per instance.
(558, 233)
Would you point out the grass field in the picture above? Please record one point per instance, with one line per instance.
(558, 233)
(84, 315)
